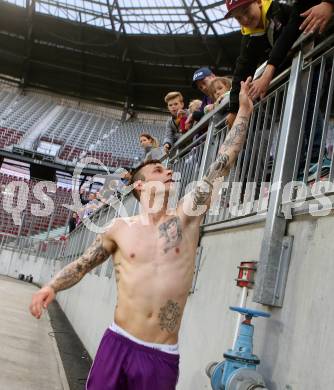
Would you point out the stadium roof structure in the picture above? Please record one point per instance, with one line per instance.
(115, 50)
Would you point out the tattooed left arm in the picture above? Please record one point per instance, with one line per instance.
(95, 255)
(196, 203)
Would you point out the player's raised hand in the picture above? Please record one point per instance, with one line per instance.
(40, 300)
(245, 101)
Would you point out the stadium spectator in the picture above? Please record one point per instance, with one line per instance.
(201, 80)
(83, 198)
(175, 125)
(269, 29)
(219, 88)
(101, 199)
(90, 205)
(123, 183)
(194, 105)
(72, 222)
(126, 178)
(151, 147)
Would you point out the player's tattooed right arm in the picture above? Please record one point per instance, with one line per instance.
(95, 255)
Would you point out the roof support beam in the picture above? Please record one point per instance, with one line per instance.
(129, 77)
(207, 19)
(30, 11)
(122, 26)
(193, 22)
(191, 18)
(111, 16)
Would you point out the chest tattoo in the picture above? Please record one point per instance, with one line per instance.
(171, 232)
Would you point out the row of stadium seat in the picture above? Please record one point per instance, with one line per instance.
(21, 112)
(32, 224)
(9, 137)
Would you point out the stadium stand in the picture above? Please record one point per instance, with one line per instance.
(23, 112)
(125, 140)
(32, 225)
(79, 133)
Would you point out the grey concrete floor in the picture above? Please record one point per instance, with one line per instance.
(29, 357)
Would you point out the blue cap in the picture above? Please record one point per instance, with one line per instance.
(200, 74)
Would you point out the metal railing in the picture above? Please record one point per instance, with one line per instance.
(298, 157)
(245, 191)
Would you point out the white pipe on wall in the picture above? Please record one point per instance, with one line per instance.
(243, 300)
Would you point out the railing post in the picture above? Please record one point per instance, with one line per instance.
(20, 228)
(1, 244)
(276, 247)
(50, 226)
(38, 251)
(207, 152)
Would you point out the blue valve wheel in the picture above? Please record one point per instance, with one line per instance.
(250, 312)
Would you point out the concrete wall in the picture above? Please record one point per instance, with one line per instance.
(12, 264)
(208, 326)
(295, 344)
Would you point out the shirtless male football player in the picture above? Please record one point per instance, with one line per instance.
(153, 255)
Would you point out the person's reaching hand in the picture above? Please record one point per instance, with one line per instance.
(317, 17)
(245, 100)
(259, 87)
(181, 113)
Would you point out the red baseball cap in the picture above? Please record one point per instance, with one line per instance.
(231, 5)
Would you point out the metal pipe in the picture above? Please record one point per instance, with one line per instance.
(242, 303)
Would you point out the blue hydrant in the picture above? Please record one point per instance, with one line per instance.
(238, 371)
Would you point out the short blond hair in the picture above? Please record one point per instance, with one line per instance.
(173, 95)
(194, 105)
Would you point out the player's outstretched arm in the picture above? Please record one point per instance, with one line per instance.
(95, 255)
(198, 201)
(235, 139)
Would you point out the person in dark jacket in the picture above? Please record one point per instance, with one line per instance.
(72, 222)
(269, 29)
(174, 124)
(83, 198)
(201, 81)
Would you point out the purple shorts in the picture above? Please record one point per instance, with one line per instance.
(122, 364)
